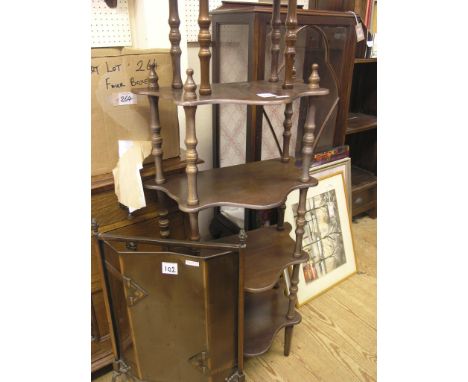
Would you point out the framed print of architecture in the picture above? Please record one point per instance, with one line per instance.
(327, 237)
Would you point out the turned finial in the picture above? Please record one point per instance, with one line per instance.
(190, 86)
(314, 79)
(153, 78)
(94, 226)
(242, 237)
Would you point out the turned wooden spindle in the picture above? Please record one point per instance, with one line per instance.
(163, 215)
(290, 44)
(300, 222)
(194, 230)
(191, 168)
(156, 139)
(280, 224)
(174, 38)
(204, 39)
(287, 124)
(163, 223)
(190, 86)
(155, 125)
(314, 78)
(94, 226)
(308, 141)
(275, 40)
(153, 78)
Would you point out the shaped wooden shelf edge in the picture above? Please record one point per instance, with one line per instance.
(265, 316)
(237, 93)
(358, 122)
(269, 251)
(257, 185)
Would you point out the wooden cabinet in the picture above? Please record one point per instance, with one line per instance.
(361, 136)
(241, 52)
(112, 217)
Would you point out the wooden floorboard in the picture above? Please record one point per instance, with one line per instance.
(336, 341)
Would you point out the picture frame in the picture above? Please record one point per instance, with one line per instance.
(327, 237)
(339, 166)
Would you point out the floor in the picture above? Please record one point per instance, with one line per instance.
(336, 341)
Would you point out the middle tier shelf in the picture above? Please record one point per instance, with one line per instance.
(268, 252)
(258, 185)
(249, 93)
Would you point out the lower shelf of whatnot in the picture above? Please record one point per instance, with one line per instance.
(269, 251)
(265, 316)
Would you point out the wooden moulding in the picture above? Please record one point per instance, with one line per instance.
(258, 185)
(275, 40)
(265, 315)
(204, 39)
(267, 254)
(238, 93)
(174, 38)
(290, 44)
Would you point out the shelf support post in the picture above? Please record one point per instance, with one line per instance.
(155, 126)
(163, 215)
(194, 230)
(307, 141)
(174, 38)
(287, 124)
(191, 140)
(300, 222)
(204, 54)
(275, 40)
(280, 224)
(290, 44)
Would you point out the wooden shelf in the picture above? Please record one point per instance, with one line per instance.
(265, 315)
(267, 254)
(358, 122)
(364, 191)
(362, 179)
(365, 60)
(257, 185)
(238, 93)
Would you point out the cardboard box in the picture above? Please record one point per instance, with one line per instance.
(118, 115)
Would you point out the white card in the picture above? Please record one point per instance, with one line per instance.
(359, 32)
(170, 268)
(192, 263)
(267, 95)
(126, 98)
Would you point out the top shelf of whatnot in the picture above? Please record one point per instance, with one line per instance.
(249, 93)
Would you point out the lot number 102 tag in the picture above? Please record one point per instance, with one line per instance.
(169, 268)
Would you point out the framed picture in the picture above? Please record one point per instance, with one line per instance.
(339, 166)
(327, 237)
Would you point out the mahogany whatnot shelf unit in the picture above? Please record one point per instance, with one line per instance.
(258, 185)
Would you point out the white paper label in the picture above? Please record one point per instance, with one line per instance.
(192, 263)
(126, 98)
(359, 32)
(170, 268)
(267, 95)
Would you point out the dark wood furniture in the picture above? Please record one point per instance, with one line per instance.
(106, 210)
(361, 136)
(255, 19)
(176, 307)
(259, 185)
